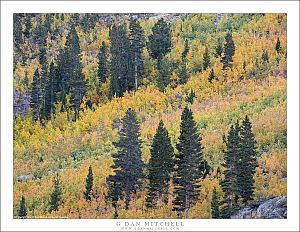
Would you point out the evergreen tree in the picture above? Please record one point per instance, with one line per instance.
(72, 80)
(121, 80)
(219, 49)
(265, 56)
(28, 25)
(206, 59)
(183, 74)
(247, 161)
(278, 46)
(160, 166)
(35, 101)
(229, 183)
(128, 165)
(18, 35)
(50, 91)
(102, 64)
(229, 50)
(136, 37)
(55, 199)
(188, 164)
(164, 73)
(22, 210)
(215, 213)
(190, 97)
(211, 75)
(89, 185)
(185, 51)
(160, 41)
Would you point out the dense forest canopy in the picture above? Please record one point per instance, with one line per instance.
(83, 83)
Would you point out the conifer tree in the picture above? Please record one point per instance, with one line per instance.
(229, 183)
(72, 80)
(18, 35)
(229, 50)
(185, 51)
(278, 46)
(215, 213)
(102, 64)
(265, 56)
(50, 94)
(183, 74)
(28, 25)
(121, 80)
(55, 199)
(136, 37)
(128, 165)
(219, 49)
(160, 41)
(206, 59)
(163, 79)
(247, 161)
(188, 164)
(211, 75)
(35, 101)
(23, 209)
(89, 185)
(160, 166)
(190, 97)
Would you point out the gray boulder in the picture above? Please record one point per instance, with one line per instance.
(274, 208)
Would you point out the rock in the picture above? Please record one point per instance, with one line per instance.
(24, 177)
(274, 208)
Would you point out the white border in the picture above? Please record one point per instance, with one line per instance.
(7, 10)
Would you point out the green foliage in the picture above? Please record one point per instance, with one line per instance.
(160, 167)
(206, 59)
(121, 80)
(89, 185)
(278, 45)
(211, 76)
(215, 213)
(55, 199)
(102, 64)
(164, 72)
(247, 161)
(137, 43)
(229, 50)
(188, 162)
(231, 156)
(160, 40)
(128, 165)
(23, 209)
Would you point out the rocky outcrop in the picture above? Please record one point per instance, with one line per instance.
(274, 208)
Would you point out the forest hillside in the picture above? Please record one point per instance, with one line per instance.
(81, 79)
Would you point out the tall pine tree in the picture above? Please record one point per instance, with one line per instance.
(206, 59)
(128, 165)
(229, 50)
(214, 205)
(278, 45)
(121, 80)
(55, 199)
(219, 49)
(89, 185)
(136, 37)
(160, 41)
(247, 161)
(188, 164)
(35, 101)
(231, 161)
(102, 64)
(23, 209)
(160, 166)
